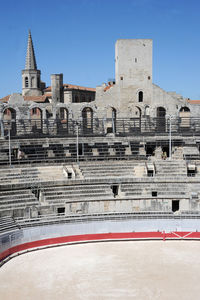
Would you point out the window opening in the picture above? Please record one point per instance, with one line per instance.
(154, 194)
(121, 78)
(140, 96)
(26, 82)
(175, 205)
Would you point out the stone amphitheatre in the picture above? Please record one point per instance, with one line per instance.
(119, 162)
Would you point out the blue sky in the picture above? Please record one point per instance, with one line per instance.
(77, 38)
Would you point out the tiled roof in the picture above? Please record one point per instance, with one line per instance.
(193, 101)
(41, 98)
(5, 99)
(74, 87)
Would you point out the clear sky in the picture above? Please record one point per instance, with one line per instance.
(77, 38)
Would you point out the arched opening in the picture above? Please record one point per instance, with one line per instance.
(140, 96)
(111, 120)
(62, 120)
(160, 123)
(87, 119)
(36, 120)
(184, 114)
(9, 120)
(135, 121)
(26, 82)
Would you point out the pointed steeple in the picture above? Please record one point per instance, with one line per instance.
(30, 55)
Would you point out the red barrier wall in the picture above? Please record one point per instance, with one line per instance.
(101, 237)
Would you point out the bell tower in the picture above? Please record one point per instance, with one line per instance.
(31, 83)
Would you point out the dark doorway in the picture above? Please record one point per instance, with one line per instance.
(175, 205)
(161, 112)
(150, 150)
(115, 190)
(165, 151)
(61, 210)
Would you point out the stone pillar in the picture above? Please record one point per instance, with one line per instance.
(57, 88)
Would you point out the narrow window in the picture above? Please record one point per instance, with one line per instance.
(121, 78)
(140, 96)
(149, 77)
(135, 59)
(26, 82)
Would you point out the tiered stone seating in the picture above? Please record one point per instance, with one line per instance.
(8, 224)
(18, 175)
(112, 169)
(63, 194)
(170, 168)
(12, 200)
(153, 190)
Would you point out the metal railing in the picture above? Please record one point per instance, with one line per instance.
(100, 127)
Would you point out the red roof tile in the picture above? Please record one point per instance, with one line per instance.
(41, 98)
(74, 87)
(193, 101)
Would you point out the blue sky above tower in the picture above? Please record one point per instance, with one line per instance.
(77, 38)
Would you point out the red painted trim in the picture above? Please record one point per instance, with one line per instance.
(100, 237)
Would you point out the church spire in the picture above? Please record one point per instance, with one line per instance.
(30, 55)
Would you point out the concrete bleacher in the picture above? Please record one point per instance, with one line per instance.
(14, 202)
(63, 194)
(170, 168)
(112, 169)
(153, 190)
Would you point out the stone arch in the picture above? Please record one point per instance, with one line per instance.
(9, 120)
(184, 114)
(62, 117)
(161, 119)
(111, 119)
(87, 120)
(36, 117)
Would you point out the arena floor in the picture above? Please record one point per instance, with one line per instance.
(115, 270)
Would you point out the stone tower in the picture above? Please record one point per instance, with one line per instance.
(31, 84)
(133, 69)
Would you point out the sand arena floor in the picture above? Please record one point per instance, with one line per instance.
(114, 270)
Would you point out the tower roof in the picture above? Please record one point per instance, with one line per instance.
(30, 55)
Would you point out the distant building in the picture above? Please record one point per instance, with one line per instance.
(131, 96)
